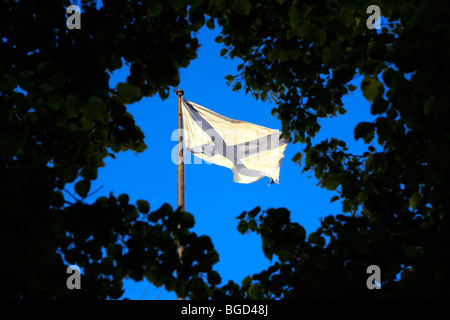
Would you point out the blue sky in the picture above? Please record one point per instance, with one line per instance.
(211, 195)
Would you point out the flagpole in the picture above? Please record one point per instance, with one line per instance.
(180, 163)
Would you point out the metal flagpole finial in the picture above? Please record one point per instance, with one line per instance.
(179, 92)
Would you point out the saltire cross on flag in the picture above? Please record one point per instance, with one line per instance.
(249, 150)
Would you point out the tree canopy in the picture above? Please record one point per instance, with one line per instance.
(59, 119)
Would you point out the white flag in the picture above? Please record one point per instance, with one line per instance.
(249, 150)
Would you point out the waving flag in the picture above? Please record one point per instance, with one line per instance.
(249, 150)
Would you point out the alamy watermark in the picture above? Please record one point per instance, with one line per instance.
(74, 17)
(234, 144)
(74, 280)
(374, 20)
(374, 281)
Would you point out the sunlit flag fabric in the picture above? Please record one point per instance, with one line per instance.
(249, 150)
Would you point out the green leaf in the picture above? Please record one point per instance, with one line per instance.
(252, 225)
(334, 198)
(237, 86)
(415, 200)
(102, 200)
(181, 289)
(246, 282)
(112, 156)
(187, 220)
(346, 13)
(95, 109)
(223, 52)
(154, 9)
(55, 102)
(57, 199)
(143, 206)
(82, 187)
(376, 50)
(163, 93)
(114, 251)
(85, 123)
(241, 216)
(43, 66)
(242, 227)
(72, 107)
(428, 106)
(370, 162)
(46, 88)
(123, 199)
(116, 63)
(307, 30)
(332, 54)
(140, 147)
(9, 83)
(320, 36)
(255, 292)
(331, 184)
(343, 74)
(363, 129)
(25, 75)
(210, 24)
(242, 7)
(229, 78)
(89, 172)
(253, 213)
(370, 87)
(214, 277)
(283, 54)
(297, 158)
(127, 92)
(379, 106)
(294, 16)
(177, 4)
(316, 238)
